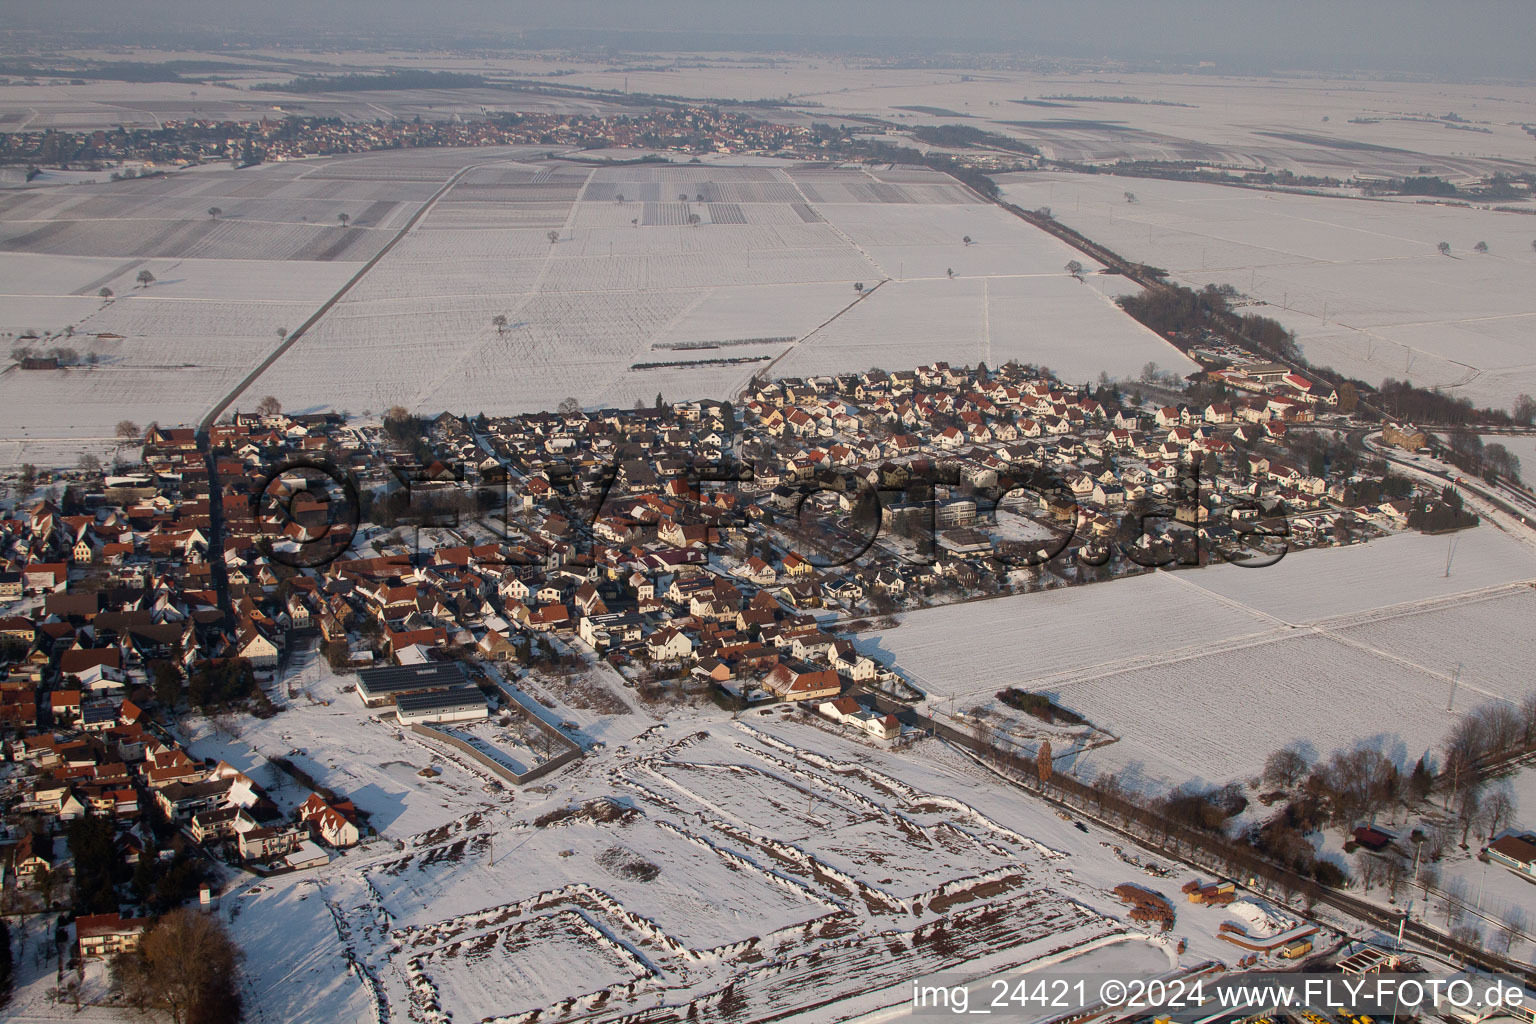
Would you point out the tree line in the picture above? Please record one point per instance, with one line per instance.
(1177, 310)
(1400, 398)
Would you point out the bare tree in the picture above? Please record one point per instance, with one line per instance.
(1044, 766)
(214, 211)
(985, 731)
(1454, 890)
(1438, 838)
(127, 431)
(269, 406)
(553, 236)
(88, 463)
(966, 240)
(1106, 789)
(1495, 813)
(1480, 247)
(186, 966)
(1367, 870)
(1502, 727)
(1075, 269)
(1462, 746)
(1285, 768)
(1445, 248)
(343, 218)
(145, 279)
(499, 321)
(1394, 875)
(1468, 809)
(1513, 925)
(569, 406)
(1130, 197)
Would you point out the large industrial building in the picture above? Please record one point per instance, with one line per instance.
(460, 704)
(379, 687)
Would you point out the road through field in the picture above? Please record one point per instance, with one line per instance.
(287, 343)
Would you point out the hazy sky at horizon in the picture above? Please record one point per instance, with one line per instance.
(1472, 37)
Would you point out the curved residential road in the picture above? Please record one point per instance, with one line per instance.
(1503, 501)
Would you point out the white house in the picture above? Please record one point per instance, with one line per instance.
(668, 644)
(329, 823)
(847, 711)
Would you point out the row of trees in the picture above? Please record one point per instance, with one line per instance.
(210, 686)
(61, 354)
(1486, 734)
(1479, 247)
(1340, 791)
(1491, 460)
(1176, 310)
(1362, 782)
(1400, 398)
(1191, 822)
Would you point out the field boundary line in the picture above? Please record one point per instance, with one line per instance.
(534, 291)
(287, 343)
(765, 371)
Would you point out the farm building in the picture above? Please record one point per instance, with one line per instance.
(1372, 838)
(1518, 853)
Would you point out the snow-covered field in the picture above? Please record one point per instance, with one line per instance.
(1072, 112)
(1048, 320)
(1360, 282)
(774, 256)
(757, 258)
(164, 352)
(1308, 125)
(223, 286)
(775, 251)
(1203, 673)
